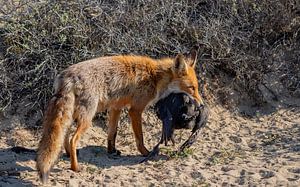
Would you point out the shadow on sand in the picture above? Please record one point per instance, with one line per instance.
(98, 156)
(11, 169)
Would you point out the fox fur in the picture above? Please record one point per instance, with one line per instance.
(109, 83)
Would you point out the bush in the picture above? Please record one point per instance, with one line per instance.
(240, 41)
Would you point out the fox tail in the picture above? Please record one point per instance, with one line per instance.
(57, 118)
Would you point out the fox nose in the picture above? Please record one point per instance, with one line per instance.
(197, 103)
(199, 99)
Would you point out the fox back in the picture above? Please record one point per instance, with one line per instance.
(120, 81)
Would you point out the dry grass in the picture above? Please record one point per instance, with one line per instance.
(240, 41)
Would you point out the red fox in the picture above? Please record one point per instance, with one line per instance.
(109, 83)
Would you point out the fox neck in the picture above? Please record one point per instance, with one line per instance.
(165, 85)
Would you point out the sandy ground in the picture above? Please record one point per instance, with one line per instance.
(232, 150)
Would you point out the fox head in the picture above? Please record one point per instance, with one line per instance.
(184, 75)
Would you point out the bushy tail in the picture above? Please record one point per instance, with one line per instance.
(57, 119)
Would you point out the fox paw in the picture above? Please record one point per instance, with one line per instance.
(76, 168)
(144, 152)
(114, 152)
(44, 177)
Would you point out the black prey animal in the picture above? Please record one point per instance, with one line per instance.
(179, 111)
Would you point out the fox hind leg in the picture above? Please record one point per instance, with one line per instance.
(67, 142)
(82, 125)
(114, 116)
(83, 116)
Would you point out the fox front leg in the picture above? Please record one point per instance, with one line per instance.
(136, 120)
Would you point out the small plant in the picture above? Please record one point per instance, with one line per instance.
(91, 170)
(174, 154)
(270, 139)
(226, 156)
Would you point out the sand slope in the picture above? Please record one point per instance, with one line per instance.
(232, 150)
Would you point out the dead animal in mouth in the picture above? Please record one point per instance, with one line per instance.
(179, 111)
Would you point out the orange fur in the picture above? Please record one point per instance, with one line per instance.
(109, 83)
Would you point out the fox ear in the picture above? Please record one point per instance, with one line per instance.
(180, 67)
(193, 58)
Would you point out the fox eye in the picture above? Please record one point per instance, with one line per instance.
(192, 88)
